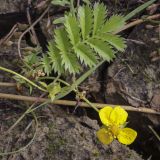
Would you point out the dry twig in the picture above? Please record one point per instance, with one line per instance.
(73, 103)
(9, 35)
(33, 33)
(28, 29)
(154, 132)
(139, 21)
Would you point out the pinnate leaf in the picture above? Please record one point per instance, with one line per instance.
(85, 38)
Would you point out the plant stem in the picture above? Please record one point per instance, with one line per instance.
(154, 132)
(44, 103)
(91, 104)
(24, 78)
(60, 80)
(138, 9)
(56, 79)
(20, 118)
(26, 146)
(29, 110)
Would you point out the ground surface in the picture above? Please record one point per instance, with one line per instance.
(133, 78)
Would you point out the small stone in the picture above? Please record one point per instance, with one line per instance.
(153, 8)
(153, 54)
(9, 43)
(156, 98)
(110, 88)
(157, 30)
(154, 39)
(155, 59)
(46, 130)
(148, 26)
(157, 41)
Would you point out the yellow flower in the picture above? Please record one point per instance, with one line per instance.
(114, 120)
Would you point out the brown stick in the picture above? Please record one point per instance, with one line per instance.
(9, 35)
(139, 21)
(6, 84)
(73, 103)
(33, 33)
(28, 29)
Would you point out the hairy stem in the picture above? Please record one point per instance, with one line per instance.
(24, 78)
(91, 104)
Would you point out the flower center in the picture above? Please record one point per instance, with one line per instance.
(114, 129)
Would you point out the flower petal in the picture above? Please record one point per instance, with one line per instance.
(104, 136)
(118, 116)
(127, 136)
(104, 115)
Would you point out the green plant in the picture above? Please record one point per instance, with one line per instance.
(84, 39)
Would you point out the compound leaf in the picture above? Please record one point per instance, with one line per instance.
(85, 38)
